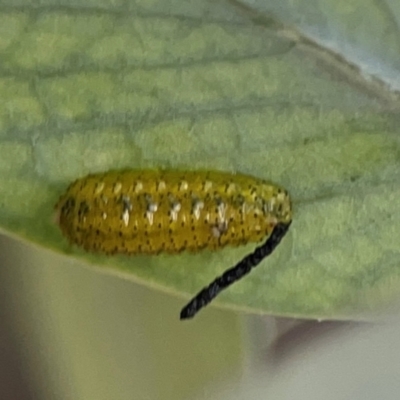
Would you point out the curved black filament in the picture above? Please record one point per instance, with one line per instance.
(235, 273)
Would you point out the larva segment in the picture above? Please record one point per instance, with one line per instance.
(150, 211)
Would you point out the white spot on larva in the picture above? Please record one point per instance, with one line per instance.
(221, 211)
(104, 199)
(219, 229)
(117, 187)
(150, 217)
(207, 185)
(161, 186)
(183, 186)
(207, 217)
(267, 207)
(99, 188)
(176, 207)
(104, 215)
(270, 206)
(125, 217)
(152, 207)
(138, 186)
(197, 207)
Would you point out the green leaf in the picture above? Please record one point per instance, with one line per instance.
(91, 86)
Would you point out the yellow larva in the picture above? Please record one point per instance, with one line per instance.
(153, 211)
(149, 211)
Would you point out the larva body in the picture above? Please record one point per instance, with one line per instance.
(152, 211)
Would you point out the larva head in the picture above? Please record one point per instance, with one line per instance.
(64, 208)
(67, 210)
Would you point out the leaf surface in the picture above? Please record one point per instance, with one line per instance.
(91, 86)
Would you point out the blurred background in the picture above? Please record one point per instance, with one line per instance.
(68, 332)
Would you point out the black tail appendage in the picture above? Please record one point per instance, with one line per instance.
(235, 273)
